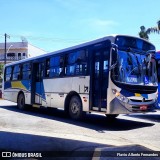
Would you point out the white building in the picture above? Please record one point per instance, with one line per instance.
(18, 50)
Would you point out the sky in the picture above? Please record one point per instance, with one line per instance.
(56, 24)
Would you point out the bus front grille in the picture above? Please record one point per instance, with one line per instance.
(143, 100)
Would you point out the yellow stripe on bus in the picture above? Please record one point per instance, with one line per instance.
(137, 94)
(18, 84)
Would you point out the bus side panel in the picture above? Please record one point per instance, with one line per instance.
(27, 97)
(11, 94)
(47, 101)
(58, 99)
(81, 86)
(113, 105)
(56, 90)
(12, 89)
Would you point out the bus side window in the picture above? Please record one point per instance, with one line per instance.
(16, 72)
(47, 70)
(26, 71)
(61, 69)
(70, 67)
(8, 73)
(76, 63)
(81, 62)
(54, 66)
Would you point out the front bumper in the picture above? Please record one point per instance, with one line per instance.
(131, 106)
(140, 106)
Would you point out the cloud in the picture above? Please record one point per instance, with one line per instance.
(102, 24)
(98, 27)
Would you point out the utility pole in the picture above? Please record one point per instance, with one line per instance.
(5, 47)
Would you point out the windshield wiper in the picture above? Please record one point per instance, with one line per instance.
(138, 64)
(151, 52)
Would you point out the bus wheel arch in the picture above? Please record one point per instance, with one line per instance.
(21, 101)
(73, 105)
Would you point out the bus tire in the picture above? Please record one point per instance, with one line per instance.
(111, 116)
(75, 108)
(21, 101)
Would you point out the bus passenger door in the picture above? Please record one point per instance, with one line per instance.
(99, 79)
(37, 89)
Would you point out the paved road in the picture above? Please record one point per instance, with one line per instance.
(52, 130)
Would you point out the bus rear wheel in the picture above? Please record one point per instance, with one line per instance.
(75, 108)
(21, 101)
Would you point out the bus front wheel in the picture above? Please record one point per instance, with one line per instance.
(75, 108)
(21, 101)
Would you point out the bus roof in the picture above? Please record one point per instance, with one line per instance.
(65, 50)
(109, 37)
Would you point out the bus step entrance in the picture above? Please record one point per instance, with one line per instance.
(97, 109)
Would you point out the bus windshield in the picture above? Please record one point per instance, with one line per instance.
(135, 62)
(133, 68)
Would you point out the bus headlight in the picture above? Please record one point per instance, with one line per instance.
(123, 99)
(114, 91)
(120, 96)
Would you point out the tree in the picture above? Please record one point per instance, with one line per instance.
(144, 33)
(1, 70)
(158, 23)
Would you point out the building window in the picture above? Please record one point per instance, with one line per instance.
(11, 56)
(19, 56)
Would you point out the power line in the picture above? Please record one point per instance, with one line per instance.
(47, 38)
